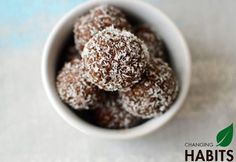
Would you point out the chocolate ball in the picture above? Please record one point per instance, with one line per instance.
(73, 88)
(111, 115)
(114, 59)
(96, 20)
(154, 94)
(152, 40)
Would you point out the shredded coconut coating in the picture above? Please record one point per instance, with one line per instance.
(112, 115)
(96, 20)
(115, 59)
(73, 88)
(154, 94)
(153, 41)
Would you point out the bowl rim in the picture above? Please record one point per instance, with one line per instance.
(93, 130)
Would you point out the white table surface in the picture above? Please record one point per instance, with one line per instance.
(31, 131)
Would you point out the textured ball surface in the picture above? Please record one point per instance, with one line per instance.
(154, 94)
(114, 59)
(96, 20)
(111, 115)
(73, 88)
(154, 44)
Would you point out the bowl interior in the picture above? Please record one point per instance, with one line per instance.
(178, 53)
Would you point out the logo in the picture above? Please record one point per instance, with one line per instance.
(209, 151)
(225, 136)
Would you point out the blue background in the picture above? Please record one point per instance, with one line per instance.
(22, 22)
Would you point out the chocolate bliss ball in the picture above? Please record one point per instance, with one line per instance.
(111, 115)
(73, 88)
(96, 20)
(114, 59)
(154, 44)
(154, 94)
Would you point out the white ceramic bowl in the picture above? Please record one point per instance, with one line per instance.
(179, 55)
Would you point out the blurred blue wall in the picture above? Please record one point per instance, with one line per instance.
(25, 21)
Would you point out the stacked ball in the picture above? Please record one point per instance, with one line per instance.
(116, 61)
